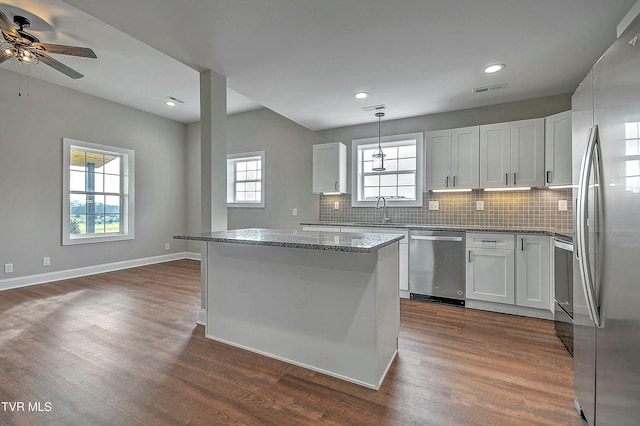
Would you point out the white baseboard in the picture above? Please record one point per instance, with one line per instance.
(202, 317)
(509, 309)
(66, 274)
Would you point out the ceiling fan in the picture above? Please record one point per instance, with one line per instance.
(27, 48)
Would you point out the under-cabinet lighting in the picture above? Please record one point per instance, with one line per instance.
(522, 188)
(330, 193)
(563, 186)
(451, 190)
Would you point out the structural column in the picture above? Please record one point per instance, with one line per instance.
(213, 166)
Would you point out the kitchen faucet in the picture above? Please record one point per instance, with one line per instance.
(385, 219)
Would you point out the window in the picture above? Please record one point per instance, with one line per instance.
(98, 193)
(400, 183)
(245, 179)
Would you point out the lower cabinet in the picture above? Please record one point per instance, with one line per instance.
(403, 249)
(509, 269)
(490, 268)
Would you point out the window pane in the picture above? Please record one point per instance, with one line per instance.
(391, 152)
(407, 192)
(240, 176)
(259, 186)
(252, 165)
(77, 224)
(76, 181)
(388, 180)
(112, 223)
(371, 192)
(391, 165)
(371, 180)
(241, 196)
(251, 186)
(367, 166)
(241, 166)
(78, 204)
(407, 164)
(94, 224)
(406, 151)
(632, 147)
(111, 165)
(388, 191)
(252, 175)
(250, 196)
(112, 204)
(241, 187)
(367, 154)
(111, 183)
(631, 130)
(633, 168)
(407, 179)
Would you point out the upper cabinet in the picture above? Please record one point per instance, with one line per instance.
(330, 168)
(453, 158)
(557, 155)
(512, 154)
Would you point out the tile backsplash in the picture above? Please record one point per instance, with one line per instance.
(537, 208)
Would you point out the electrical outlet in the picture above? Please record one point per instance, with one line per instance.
(562, 205)
(336, 205)
(8, 268)
(479, 205)
(46, 261)
(295, 212)
(167, 246)
(434, 205)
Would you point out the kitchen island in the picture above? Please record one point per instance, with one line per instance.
(327, 301)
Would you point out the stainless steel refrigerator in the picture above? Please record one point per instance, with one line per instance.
(606, 162)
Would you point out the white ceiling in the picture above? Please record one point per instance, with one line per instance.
(305, 58)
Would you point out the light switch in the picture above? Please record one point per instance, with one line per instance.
(479, 205)
(295, 212)
(8, 268)
(562, 205)
(336, 205)
(46, 261)
(434, 205)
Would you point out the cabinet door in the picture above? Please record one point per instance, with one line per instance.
(439, 159)
(495, 155)
(557, 149)
(490, 275)
(527, 153)
(533, 273)
(329, 168)
(465, 157)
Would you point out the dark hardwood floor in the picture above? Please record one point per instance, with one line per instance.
(123, 348)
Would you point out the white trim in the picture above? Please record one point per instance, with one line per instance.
(509, 309)
(192, 255)
(66, 274)
(628, 18)
(420, 175)
(202, 317)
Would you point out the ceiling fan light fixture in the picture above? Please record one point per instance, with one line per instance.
(171, 101)
(361, 95)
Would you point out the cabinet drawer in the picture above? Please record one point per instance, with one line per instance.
(489, 241)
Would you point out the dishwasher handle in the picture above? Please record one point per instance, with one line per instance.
(435, 238)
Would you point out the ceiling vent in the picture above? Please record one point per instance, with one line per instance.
(374, 107)
(489, 88)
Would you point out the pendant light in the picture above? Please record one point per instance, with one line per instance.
(378, 156)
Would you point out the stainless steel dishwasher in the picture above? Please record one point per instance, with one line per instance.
(436, 266)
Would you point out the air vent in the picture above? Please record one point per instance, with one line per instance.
(374, 107)
(489, 88)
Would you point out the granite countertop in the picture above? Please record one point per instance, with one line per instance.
(565, 234)
(314, 240)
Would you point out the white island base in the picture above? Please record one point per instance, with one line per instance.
(334, 312)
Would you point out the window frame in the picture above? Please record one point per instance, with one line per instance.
(127, 193)
(357, 176)
(231, 181)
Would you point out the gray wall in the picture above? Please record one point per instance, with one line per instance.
(288, 152)
(31, 132)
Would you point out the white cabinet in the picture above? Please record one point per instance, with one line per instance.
(330, 168)
(512, 154)
(533, 271)
(453, 158)
(490, 267)
(557, 149)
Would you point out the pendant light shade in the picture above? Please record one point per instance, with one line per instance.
(378, 156)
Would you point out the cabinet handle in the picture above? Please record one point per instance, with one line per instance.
(335, 185)
(469, 256)
(506, 178)
(522, 244)
(447, 182)
(548, 176)
(454, 181)
(490, 241)
(514, 178)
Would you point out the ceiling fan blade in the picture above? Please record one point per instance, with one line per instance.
(62, 49)
(7, 27)
(57, 65)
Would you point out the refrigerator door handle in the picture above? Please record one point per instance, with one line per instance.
(593, 148)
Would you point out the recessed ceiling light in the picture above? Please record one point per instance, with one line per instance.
(493, 68)
(361, 95)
